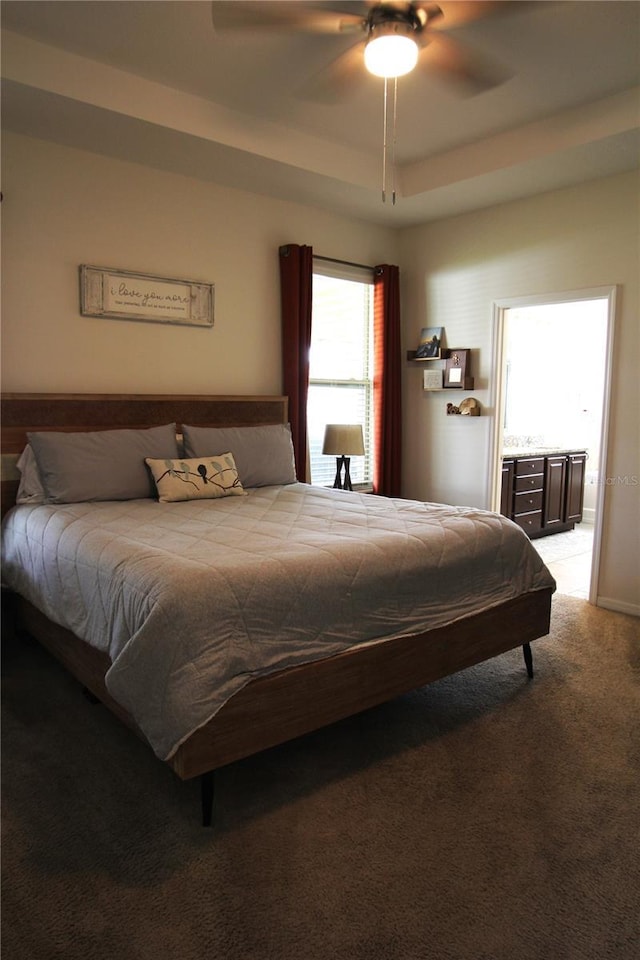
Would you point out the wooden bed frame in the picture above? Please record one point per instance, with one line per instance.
(279, 707)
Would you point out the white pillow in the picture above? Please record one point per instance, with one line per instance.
(203, 478)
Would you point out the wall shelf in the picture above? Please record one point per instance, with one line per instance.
(444, 364)
(466, 384)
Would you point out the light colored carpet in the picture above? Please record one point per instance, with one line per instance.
(486, 817)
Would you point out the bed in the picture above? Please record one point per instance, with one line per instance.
(263, 612)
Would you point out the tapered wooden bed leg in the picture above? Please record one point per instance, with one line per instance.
(207, 792)
(528, 658)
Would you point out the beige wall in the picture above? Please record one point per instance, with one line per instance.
(63, 207)
(453, 272)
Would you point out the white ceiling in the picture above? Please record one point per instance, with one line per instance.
(154, 83)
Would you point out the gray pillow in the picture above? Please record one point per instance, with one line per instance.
(263, 455)
(102, 465)
(30, 489)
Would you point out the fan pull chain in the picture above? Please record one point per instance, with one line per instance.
(389, 131)
(393, 141)
(384, 143)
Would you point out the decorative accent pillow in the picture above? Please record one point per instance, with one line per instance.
(263, 455)
(204, 478)
(101, 465)
(30, 489)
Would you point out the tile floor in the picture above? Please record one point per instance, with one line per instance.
(568, 557)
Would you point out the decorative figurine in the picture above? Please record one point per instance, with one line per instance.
(469, 407)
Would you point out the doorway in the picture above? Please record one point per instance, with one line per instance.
(553, 356)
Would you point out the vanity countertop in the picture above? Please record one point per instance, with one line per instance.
(512, 452)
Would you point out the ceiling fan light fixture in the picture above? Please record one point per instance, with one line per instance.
(391, 50)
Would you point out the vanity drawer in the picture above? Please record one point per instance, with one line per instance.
(530, 522)
(527, 484)
(532, 465)
(526, 502)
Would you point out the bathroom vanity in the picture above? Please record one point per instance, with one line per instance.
(543, 489)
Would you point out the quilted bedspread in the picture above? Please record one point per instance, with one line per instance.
(192, 600)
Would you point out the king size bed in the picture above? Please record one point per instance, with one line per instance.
(163, 550)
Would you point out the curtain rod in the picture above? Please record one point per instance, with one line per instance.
(348, 263)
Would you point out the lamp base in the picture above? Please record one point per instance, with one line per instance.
(340, 482)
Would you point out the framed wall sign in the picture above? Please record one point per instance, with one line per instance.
(123, 295)
(457, 368)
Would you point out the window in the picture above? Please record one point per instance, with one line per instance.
(341, 364)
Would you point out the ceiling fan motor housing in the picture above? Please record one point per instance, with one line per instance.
(391, 28)
(413, 17)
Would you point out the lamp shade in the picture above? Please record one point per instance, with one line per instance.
(391, 50)
(343, 440)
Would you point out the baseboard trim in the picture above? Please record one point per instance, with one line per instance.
(619, 606)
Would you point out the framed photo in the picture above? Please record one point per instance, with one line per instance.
(123, 295)
(430, 346)
(457, 367)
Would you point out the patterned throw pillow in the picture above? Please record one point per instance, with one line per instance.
(200, 479)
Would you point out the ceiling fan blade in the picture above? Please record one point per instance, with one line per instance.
(340, 79)
(455, 13)
(454, 62)
(281, 15)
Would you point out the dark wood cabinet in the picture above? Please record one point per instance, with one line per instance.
(576, 470)
(555, 483)
(506, 488)
(528, 489)
(544, 494)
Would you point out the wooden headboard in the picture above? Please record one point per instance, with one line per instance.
(22, 412)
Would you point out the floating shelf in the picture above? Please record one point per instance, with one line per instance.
(466, 384)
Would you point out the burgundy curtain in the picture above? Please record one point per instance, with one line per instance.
(387, 387)
(296, 278)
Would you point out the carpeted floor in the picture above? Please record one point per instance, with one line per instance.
(486, 817)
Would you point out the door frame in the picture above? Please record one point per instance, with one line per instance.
(497, 395)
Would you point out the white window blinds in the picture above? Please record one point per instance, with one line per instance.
(341, 364)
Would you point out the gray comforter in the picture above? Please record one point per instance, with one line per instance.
(192, 600)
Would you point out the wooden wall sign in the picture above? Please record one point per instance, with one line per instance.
(123, 295)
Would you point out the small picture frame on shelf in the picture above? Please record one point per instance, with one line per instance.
(432, 379)
(457, 368)
(430, 346)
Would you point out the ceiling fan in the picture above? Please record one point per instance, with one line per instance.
(388, 37)
(413, 33)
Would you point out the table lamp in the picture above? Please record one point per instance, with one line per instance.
(344, 440)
